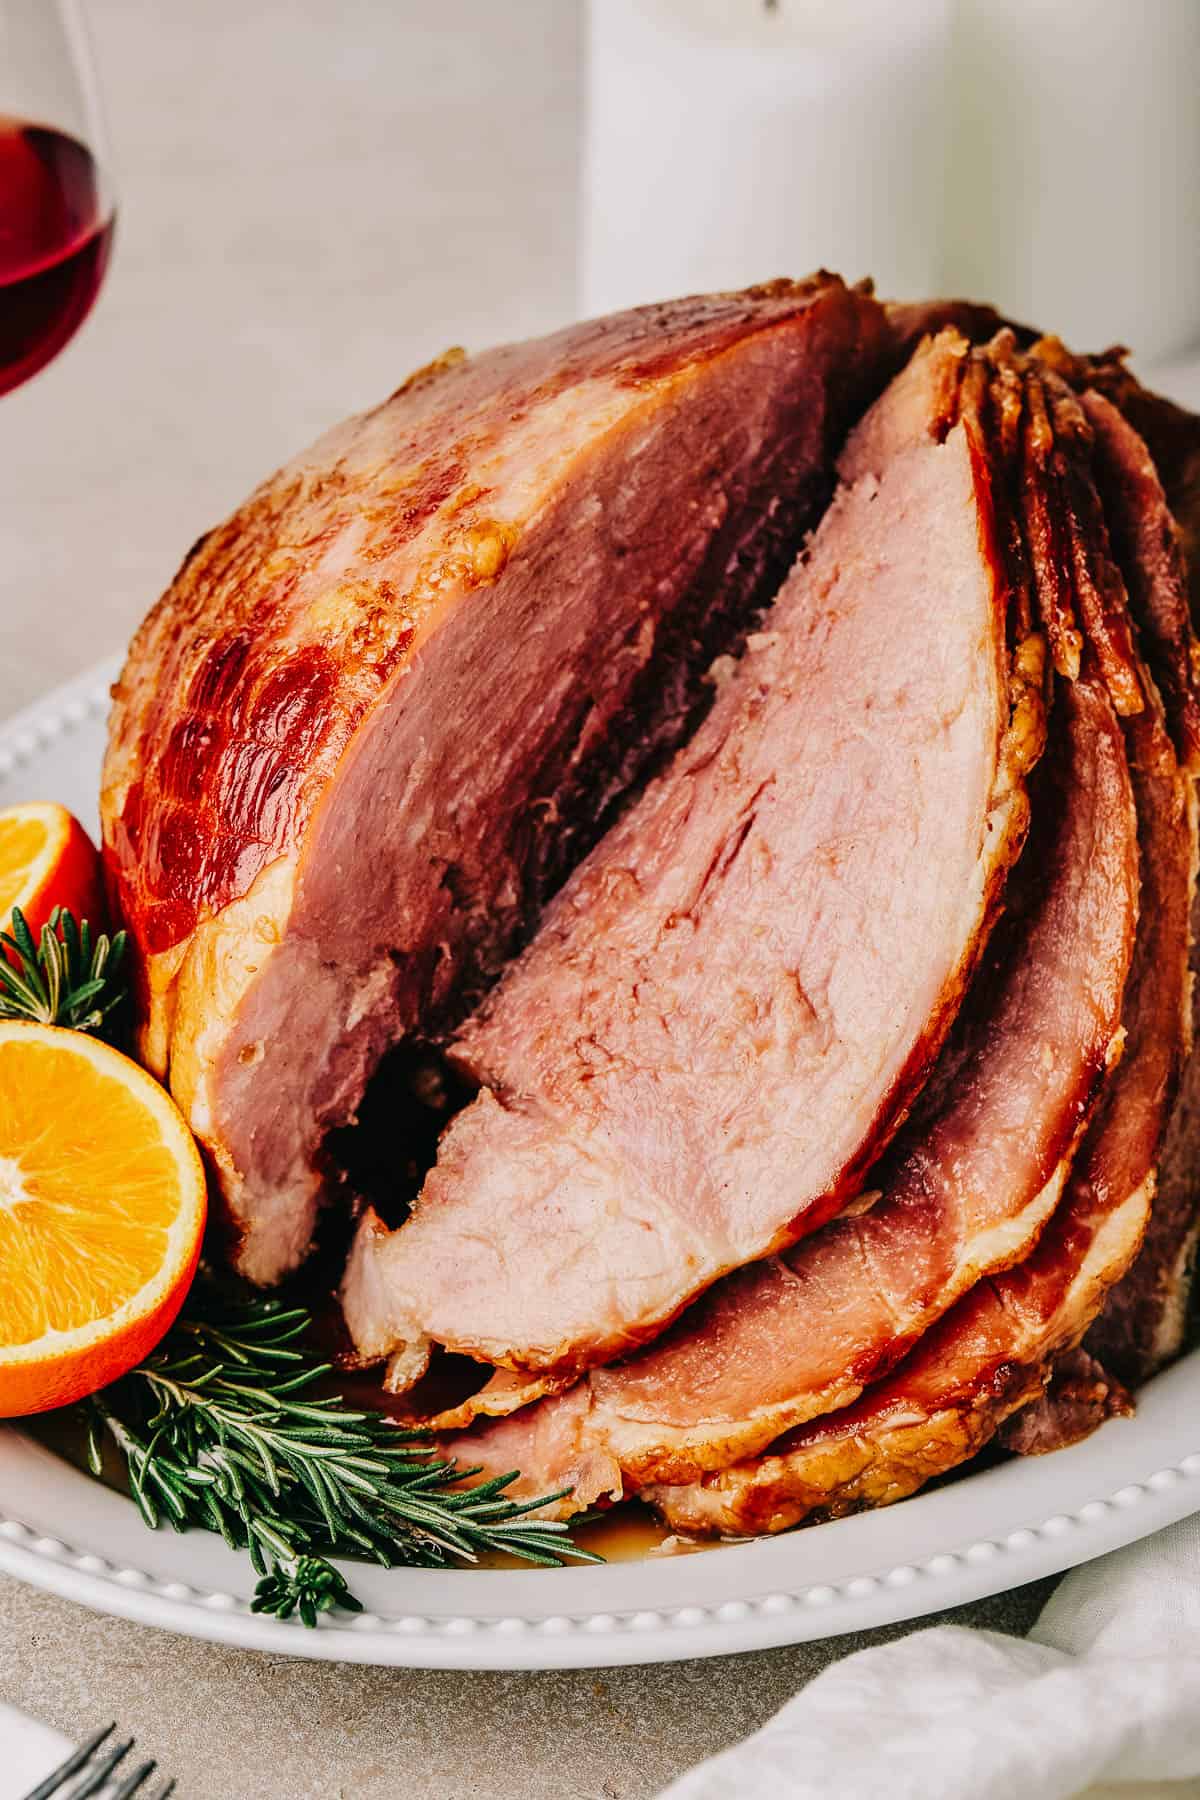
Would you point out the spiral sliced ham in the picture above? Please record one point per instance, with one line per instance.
(995, 1351)
(659, 771)
(725, 1013)
(383, 709)
(965, 1192)
(1169, 432)
(1146, 462)
(801, 1336)
(1007, 1352)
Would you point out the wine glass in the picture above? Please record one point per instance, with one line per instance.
(56, 201)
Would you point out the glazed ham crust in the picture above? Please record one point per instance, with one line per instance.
(1143, 1322)
(727, 1009)
(383, 709)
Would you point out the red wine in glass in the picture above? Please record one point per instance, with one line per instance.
(55, 235)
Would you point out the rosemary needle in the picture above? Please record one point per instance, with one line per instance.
(65, 978)
(221, 1428)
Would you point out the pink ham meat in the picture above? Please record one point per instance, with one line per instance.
(787, 1340)
(996, 1350)
(727, 1010)
(384, 708)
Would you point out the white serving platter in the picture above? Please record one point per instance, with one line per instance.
(1007, 1524)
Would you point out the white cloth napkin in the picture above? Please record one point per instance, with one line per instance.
(28, 1752)
(1106, 1688)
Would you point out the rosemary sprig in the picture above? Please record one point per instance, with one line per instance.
(65, 978)
(221, 1428)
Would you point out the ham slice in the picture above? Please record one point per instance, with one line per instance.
(1147, 544)
(1143, 1321)
(996, 1350)
(985, 1360)
(728, 1008)
(384, 708)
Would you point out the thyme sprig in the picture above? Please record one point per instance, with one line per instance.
(221, 1428)
(66, 978)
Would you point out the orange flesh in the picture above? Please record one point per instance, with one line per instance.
(88, 1192)
(23, 841)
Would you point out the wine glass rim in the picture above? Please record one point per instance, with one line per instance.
(85, 120)
(83, 58)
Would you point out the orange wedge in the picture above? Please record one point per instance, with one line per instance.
(102, 1204)
(47, 859)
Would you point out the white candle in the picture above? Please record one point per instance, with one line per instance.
(1074, 199)
(730, 141)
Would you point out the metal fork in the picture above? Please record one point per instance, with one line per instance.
(90, 1768)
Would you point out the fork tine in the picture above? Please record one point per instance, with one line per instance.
(100, 1772)
(133, 1782)
(53, 1784)
(165, 1792)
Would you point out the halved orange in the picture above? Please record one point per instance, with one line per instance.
(47, 859)
(102, 1205)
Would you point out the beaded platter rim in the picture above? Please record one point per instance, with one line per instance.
(990, 1530)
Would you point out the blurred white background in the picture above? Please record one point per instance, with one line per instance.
(1040, 154)
(312, 201)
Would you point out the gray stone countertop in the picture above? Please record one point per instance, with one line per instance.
(234, 1725)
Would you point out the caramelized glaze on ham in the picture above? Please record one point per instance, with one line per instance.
(726, 1011)
(1147, 545)
(383, 709)
(1142, 1324)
